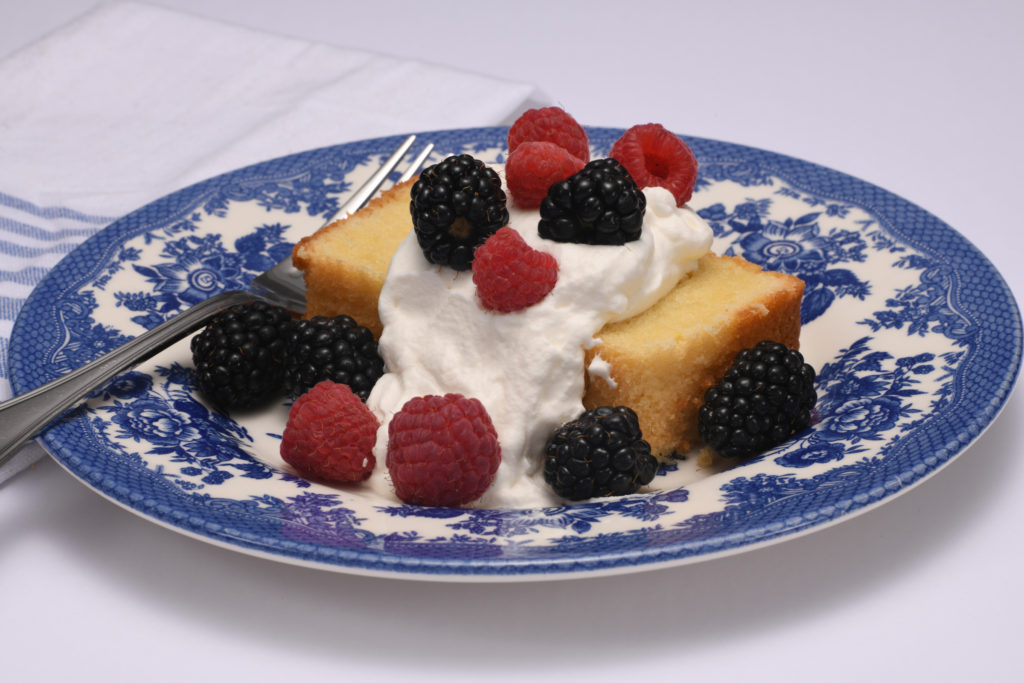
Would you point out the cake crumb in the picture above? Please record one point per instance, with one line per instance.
(705, 457)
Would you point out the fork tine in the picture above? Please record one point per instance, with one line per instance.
(361, 196)
(417, 163)
(284, 284)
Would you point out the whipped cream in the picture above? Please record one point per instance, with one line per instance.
(526, 367)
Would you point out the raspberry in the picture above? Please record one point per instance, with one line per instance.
(534, 167)
(657, 157)
(510, 275)
(550, 124)
(442, 450)
(330, 435)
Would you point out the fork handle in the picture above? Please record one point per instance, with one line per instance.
(25, 415)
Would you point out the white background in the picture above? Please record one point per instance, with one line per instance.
(922, 98)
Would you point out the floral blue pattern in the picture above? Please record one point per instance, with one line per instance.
(907, 374)
(171, 424)
(796, 245)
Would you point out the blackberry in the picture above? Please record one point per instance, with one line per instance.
(337, 349)
(600, 453)
(764, 398)
(456, 205)
(239, 355)
(599, 204)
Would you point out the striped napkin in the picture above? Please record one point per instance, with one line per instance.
(132, 102)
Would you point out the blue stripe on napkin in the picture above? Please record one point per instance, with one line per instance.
(32, 239)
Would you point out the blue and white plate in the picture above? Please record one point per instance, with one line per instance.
(916, 338)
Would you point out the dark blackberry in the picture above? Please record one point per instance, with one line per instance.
(600, 453)
(456, 205)
(599, 204)
(239, 355)
(764, 398)
(338, 349)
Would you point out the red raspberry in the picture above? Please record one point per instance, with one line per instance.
(657, 157)
(550, 124)
(330, 435)
(442, 450)
(510, 275)
(534, 167)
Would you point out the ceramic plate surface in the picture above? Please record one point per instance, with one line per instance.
(916, 339)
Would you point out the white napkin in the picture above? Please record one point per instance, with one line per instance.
(132, 102)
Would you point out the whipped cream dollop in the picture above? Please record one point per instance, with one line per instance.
(526, 367)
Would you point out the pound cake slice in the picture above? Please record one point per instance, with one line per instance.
(660, 362)
(345, 262)
(663, 360)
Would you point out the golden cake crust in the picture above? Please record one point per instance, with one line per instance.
(345, 262)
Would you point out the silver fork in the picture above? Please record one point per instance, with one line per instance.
(25, 415)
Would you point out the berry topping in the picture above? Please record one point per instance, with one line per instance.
(597, 205)
(765, 397)
(550, 124)
(337, 349)
(510, 275)
(600, 453)
(442, 450)
(534, 167)
(239, 355)
(330, 435)
(456, 205)
(656, 157)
